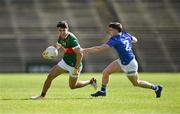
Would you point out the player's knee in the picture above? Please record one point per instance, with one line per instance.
(72, 87)
(135, 84)
(105, 72)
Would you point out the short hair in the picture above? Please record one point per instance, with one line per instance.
(62, 24)
(116, 25)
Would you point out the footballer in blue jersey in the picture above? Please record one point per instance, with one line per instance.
(122, 42)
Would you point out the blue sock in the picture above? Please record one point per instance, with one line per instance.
(103, 88)
(154, 87)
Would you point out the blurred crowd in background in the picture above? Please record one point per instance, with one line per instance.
(27, 27)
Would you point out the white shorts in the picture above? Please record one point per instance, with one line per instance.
(131, 69)
(68, 68)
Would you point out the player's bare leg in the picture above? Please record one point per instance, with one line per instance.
(55, 71)
(74, 83)
(111, 68)
(144, 84)
(140, 83)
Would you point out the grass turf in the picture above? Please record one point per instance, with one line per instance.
(122, 97)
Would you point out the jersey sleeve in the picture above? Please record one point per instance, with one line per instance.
(73, 41)
(58, 42)
(111, 42)
(75, 44)
(131, 37)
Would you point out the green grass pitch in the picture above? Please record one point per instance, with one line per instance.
(122, 97)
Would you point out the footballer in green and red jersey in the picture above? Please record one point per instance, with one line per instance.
(68, 44)
(71, 61)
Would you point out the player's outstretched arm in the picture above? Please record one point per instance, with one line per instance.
(95, 49)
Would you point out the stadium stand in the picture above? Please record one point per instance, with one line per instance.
(152, 23)
(27, 27)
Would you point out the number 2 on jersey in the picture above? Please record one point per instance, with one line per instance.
(126, 42)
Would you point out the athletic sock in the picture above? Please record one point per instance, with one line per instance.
(43, 94)
(103, 88)
(154, 87)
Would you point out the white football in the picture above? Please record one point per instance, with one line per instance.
(50, 53)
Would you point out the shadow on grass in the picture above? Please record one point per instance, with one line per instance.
(78, 98)
(15, 99)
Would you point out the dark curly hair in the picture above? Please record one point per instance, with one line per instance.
(62, 24)
(116, 25)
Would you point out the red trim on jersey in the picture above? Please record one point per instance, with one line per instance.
(69, 50)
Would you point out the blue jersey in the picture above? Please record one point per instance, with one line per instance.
(123, 45)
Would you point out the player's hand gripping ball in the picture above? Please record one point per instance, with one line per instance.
(50, 53)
